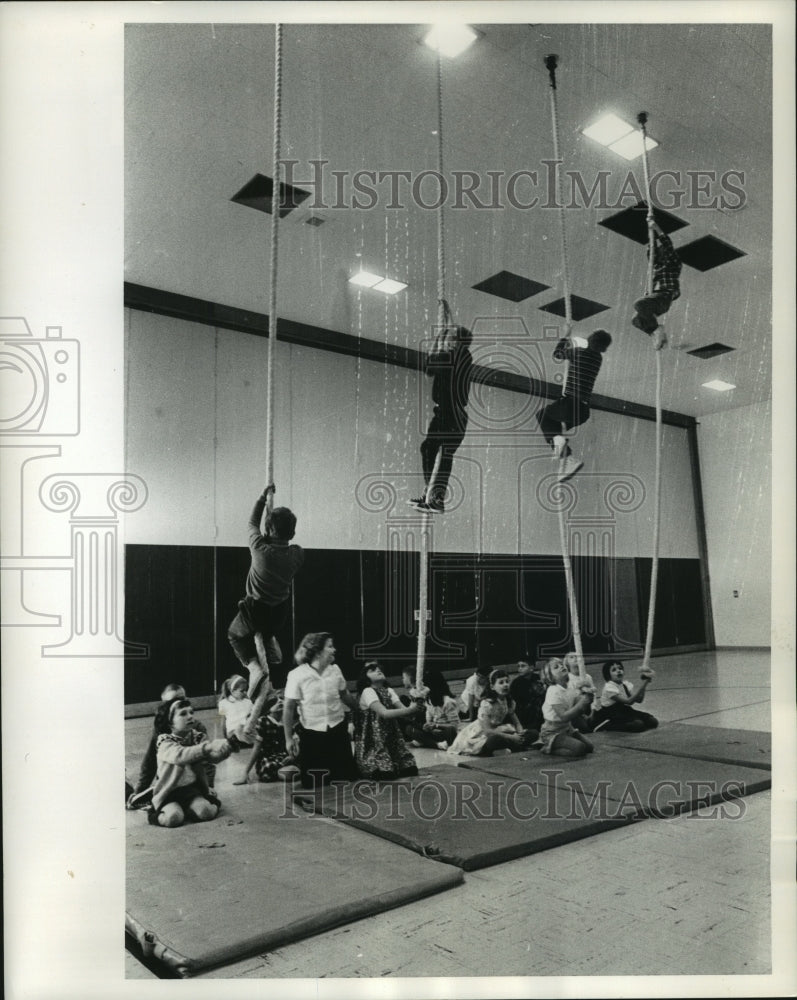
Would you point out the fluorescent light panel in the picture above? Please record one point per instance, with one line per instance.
(366, 279)
(607, 129)
(630, 146)
(450, 39)
(718, 385)
(619, 136)
(389, 286)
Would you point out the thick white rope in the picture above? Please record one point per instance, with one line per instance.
(276, 198)
(442, 318)
(654, 569)
(575, 625)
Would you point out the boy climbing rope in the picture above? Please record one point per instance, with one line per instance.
(449, 364)
(265, 607)
(572, 408)
(666, 288)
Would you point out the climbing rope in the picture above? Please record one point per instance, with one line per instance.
(551, 63)
(443, 319)
(272, 297)
(642, 118)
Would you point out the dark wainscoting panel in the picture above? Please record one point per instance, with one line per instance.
(484, 608)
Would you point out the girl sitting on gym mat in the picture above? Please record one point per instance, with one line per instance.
(562, 707)
(181, 790)
(617, 698)
(235, 707)
(496, 727)
(379, 748)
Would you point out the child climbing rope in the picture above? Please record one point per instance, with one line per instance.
(448, 364)
(572, 408)
(665, 290)
(264, 609)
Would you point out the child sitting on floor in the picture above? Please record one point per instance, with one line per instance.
(666, 288)
(618, 696)
(235, 708)
(379, 747)
(563, 705)
(442, 715)
(472, 693)
(528, 693)
(269, 755)
(149, 765)
(497, 727)
(181, 789)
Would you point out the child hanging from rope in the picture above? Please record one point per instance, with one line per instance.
(572, 408)
(264, 609)
(448, 364)
(666, 288)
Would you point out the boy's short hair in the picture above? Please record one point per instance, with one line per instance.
(172, 691)
(599, 340)
(281, 523)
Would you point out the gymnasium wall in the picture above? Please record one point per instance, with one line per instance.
(347, 433)
(736, 468)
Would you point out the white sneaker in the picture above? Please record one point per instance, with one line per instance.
(569, 468)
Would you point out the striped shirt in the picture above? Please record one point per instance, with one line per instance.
(666, 266)
(584, 367)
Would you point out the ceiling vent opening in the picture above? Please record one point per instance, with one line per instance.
(258, 193)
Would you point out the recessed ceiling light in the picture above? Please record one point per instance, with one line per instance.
(366, 279)
(719, 385)
(389, 287)
(630, 146)
(450, 39)
(608, 129)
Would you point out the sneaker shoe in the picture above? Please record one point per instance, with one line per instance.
(436, 506)
(442, 745)
(504, 752)
(570, 467)
(647, 326)
(659, 339)
(418, 502)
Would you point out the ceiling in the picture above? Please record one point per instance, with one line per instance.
(199, 107)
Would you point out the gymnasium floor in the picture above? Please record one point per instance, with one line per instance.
(684, 896)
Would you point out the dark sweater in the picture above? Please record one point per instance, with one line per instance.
(274, 562)
(450, 373)
(584, 367)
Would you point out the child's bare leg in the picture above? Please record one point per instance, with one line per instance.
(250, 763)
(202, 810)
(589, 748)
(568, 746)
(171, 815)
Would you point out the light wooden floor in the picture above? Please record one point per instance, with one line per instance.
(687, 896)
